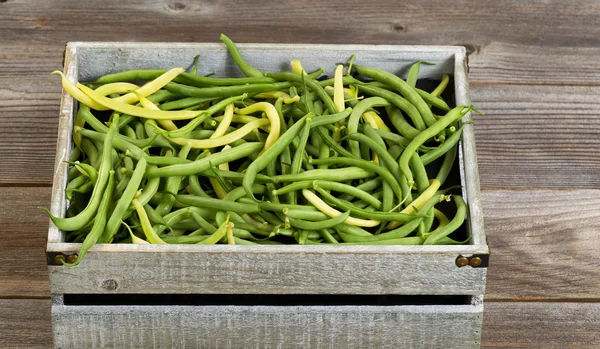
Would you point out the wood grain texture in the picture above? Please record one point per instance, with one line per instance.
(28, 129)
(532, 22)
(537, 136)
(503, 62)
(25, 323)
(541, 325)
(544, 244)
(456, 327)
(23, 235)
(240, 269)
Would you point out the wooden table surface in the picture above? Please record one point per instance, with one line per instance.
(534, 71)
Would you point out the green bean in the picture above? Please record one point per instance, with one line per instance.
(310, 83)
(172, 186)
(204, 224)
(332, 143)
(153, 216)
(218, 234)
(246, 68)
(297, 159)
(401, 86)
(443, 148)
(271, 154)
(331, 119)
(99, 221)
(74, 156)
(85, 216)
(352, 230)
(381, 152)
(327, 236)
(203, 164)
(235, 176)
(419, 172)
(413, 73)
(114, 221)
(455, 223)
(218, 204)
(122, 184)
(307, 215)
(362, 213)
(74, 184)
(400, 124)
(433, 100)
(413, 240)
(129, 132)
(447, 164)
(452, 116)
(184, 239)
(366, 165)
(324, 224)
(348, 189)
(91, 151)
(270, 206)
(398, 101)
(360, 108)
(185, 103)
(348, 173)
(119, 142)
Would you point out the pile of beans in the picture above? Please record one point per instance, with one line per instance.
(271, 158)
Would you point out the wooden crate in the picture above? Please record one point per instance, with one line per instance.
(433, 302)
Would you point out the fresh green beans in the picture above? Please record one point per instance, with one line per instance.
(291, 159)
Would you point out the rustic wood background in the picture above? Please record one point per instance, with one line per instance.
(534, 70)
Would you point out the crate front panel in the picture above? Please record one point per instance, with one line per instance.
(448, 326)
(238, 269)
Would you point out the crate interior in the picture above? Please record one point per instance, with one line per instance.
(92, 61)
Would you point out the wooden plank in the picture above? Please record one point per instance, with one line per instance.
(28, 129)
(23, 234)
(267, 270)
(25, 323)
(537, 136)
(541, 325)
(455, 326)
(544, 244)
(506, 62)
(532, 22)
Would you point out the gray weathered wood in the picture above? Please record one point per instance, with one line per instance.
(262, 269)
(25, 323)
(449, 326)
(530, 22)
(541, 325)
(538, 136)
(544, 244)
(22, 240)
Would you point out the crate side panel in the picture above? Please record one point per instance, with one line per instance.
(268, 272)
(263, 326)
(98, 59)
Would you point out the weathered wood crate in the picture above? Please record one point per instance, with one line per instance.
(224, 296)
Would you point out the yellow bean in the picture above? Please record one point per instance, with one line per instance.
(332, 212)
(273, 117)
